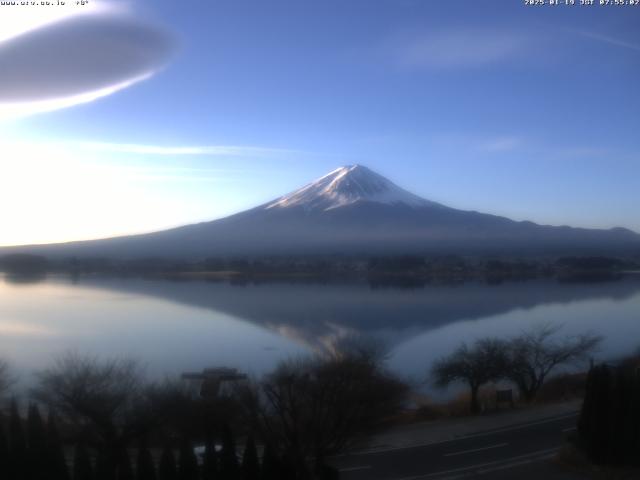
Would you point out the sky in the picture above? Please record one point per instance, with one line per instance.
(122, 117)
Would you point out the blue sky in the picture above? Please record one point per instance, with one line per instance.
(528, 112)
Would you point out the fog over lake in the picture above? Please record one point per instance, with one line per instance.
(189, 325)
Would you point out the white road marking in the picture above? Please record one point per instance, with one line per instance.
(518, 463)
(455, 454)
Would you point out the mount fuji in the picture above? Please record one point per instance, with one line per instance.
(355, 211)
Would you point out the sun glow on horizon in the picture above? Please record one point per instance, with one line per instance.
(50, 193)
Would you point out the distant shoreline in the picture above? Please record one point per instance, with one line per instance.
(403, 270)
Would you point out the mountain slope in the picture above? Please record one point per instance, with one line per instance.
(352, 210)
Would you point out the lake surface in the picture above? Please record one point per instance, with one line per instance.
(183, 326)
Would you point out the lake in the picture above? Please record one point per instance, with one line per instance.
(174, 327)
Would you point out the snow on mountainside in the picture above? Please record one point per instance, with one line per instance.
(346, 186)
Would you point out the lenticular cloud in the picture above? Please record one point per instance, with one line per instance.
(74, 58)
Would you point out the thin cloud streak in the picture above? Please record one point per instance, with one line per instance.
(610, 40)
(458, 48)
(182, 178)
(503, 144)
(201, 150)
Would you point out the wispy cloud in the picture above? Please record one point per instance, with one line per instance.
(583, 152)
(501, 144)
(458, 48)
(610, 40)
(174, 150)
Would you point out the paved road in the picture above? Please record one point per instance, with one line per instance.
(474, 455)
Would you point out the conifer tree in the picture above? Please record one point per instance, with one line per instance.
(188, 465)
(17, 445)
(145, 467)
(124, 470)
(229, 468)
(82, 468)
(609, 423)
(601, 417)
(594, 414)
(210, 464)
(4, 453)
(587, 411)
(167, 469)
(38, 467)
(250, 464)
(57, 462)
(634, 420)
(105, 466)
(271, 467)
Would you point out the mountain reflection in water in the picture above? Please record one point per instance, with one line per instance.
(174, 326)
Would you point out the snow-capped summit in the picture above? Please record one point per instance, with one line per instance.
(348, 185)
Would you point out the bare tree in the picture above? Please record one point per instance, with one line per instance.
(485, 361)
(534, 354)
(107, 401)
(312, 408)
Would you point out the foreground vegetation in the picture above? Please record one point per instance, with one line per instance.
(526, 361)
(123, 427)
(606, 444)
(609, 424)
(107, 422)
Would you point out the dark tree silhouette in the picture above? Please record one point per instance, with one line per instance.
(57, 461)
(271, 465)
(229, 468)
(124, 471)
(106, 466)
(210, 464)
(4, 453)
(82, 468)
(18, 444)
(609, 422)
(188, 465)
(250, 463)
(109, 399)
(485, 361)
(313, 408)
(167, 469)
(534, 354)
(145, 467)
(37, 451)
